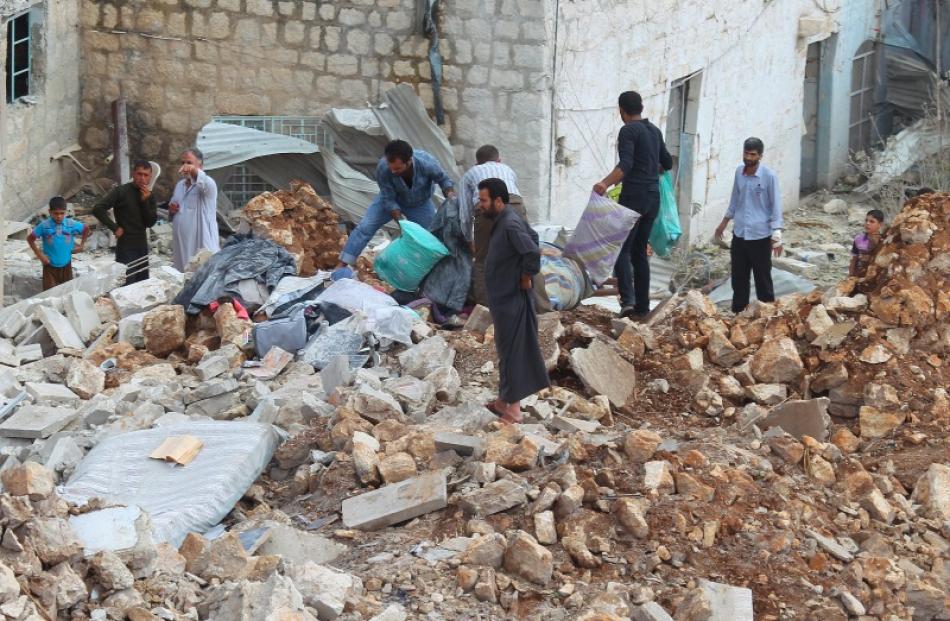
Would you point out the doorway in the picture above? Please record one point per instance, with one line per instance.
(681, 131)
(810, 112)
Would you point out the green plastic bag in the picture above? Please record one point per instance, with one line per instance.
(407, 260)
(666, 229)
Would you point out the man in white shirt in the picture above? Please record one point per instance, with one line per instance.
(478, 233)
(194, 210)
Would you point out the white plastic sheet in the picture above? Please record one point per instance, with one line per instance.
(179, 499)
(384, 317)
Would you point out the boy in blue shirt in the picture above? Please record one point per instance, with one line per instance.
(59, 242)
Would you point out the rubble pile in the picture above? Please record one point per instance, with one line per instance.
(300, 221)
(786, 463)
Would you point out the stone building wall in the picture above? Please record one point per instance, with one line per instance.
(179, 63)
(32, 131)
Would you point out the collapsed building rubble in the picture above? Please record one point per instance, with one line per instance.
(788, 462)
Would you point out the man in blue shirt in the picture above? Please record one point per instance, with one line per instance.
(59, 236)
(756, 207)
(406, 181)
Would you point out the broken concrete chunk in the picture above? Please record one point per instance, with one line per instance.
(53, 540)
(494, 498)
(721, 351)
(396, 503)
(429, 355)
(142, 296)
(86, 379)
(767, 394)
(478, 320)
(726, 602)
(130, 330)
(658, 477)
(324, 588)
(650, 611)
(13, 322)
(604, 371)
(397, 467)
(375, 405)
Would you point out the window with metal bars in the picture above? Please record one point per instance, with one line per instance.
(243, 185)
(19, 57)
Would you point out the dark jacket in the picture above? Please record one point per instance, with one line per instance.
(642, 153)
(131, 213)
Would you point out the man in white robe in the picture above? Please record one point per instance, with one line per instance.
(193, 209)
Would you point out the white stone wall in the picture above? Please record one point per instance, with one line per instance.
(33, 132)
(752, 61)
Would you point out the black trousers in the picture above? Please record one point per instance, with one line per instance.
(755, 256)
(128, 252)
(632, 268)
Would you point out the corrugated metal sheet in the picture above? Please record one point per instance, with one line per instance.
(224, 144)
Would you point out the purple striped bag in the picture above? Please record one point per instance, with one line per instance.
(599, 236)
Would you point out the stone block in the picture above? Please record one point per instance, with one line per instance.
(801, 418)
(462, 444)
(217, 408)
(59, 328)
(36, 421)
(211, 388)
(9, 386)
(51, 394)
(212, 367)
(12, 324)
(29, 353)
(298, 546)
(396, 503)
(163, 329)
(31, 479)
(81, 311)
(324, 588)
(429, 355)
(604, 371)
(142, 296)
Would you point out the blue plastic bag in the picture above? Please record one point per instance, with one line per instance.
(666, 229)
(406, 261)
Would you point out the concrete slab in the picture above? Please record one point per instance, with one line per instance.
(51, 394)
(495, 497)
(212, 367)
(59, 328)
(29, 353)
(801, 418)
(37, 421)
(396, 503)
(572, 425)
(604, 371)
(81, 311)
(460, 443)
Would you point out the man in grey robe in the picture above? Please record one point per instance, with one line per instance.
(194, 211)
(513, 259)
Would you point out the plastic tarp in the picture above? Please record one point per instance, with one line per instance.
(383, 315)
(448, 282)
(238, 260)
(785, 283)
(179, 499)
(599, 236)
(291, 289)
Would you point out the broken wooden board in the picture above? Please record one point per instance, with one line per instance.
(178, 449)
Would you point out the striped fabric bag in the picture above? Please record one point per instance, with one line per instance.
(599, 236)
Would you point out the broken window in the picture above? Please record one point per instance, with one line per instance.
(243, 185)
(19, 57)
(862, 131)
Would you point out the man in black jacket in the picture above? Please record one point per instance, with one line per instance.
(642, 154)
(134, 209)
